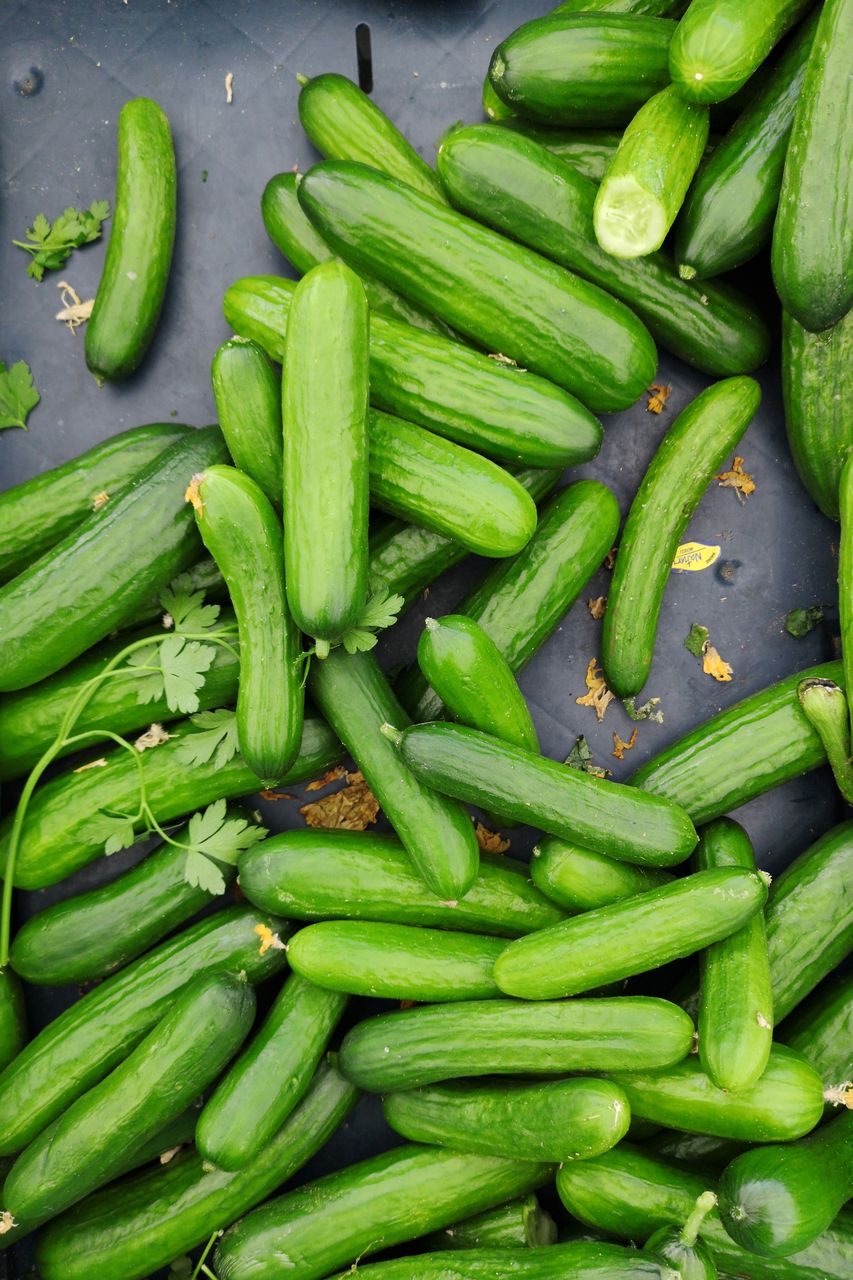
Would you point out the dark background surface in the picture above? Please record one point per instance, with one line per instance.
(82, 59)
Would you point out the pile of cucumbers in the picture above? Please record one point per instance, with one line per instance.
(196, 610)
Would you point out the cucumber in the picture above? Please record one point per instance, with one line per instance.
(817, 390)
(84, 1146)
(544, 1120)
(645, 183)
(396, 961)
(642, 932)
(697, 1150)
(509, 1037)
(692, 450)
(518, 1224)
(719, 44)
(579, 880)
(40, 512)
(588, 151)
(776, 1201)
(728, 214)
(13, 1026)
(503, 296)
(437, 833)
(144, 1222)
(57, 832)
(241, 531)
(643, 8)
(247, 392)
(324, 409)
(785, 1103)
(493, 107)
(845, 605)
(766, 733)
(94, 579)
(689, 1256)
(320, 875)
(518, 784)
(812, 256)
(580, 1259)
(582, 69)
(508, 180)
(821, 1029)
(139, 252)
(260, 1090)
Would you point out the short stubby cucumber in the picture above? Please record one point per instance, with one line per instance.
(247, 392)
(719, 44)
(579, 880)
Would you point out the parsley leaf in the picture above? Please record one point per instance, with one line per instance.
(185, 606)
(50, 247)
(184, 663)
(217, 740)
(17, 394)
(114, 830)
(379, 612)
(211, 834)
(149, 687)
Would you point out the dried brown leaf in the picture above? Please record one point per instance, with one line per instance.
(714, 665)
(333, 775)
(738, 479)
(658, 396)
(490, 841)
(596, 607)
(620, 746)
(597, 696)
(352, 808)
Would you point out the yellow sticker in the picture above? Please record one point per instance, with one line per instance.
(693, 556)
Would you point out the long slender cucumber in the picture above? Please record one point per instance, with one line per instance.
(720, 43)
(579, 880)
(580, 1259)
(247, 392)
(821, 1029)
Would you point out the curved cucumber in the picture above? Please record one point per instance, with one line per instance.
(693, 449)
(247, 392)
(579, 880)
(588, 151)
(821, 1029)
(139, 252)
(518, 1224)
(580, 1259)
(13, 1027)
(719, 44)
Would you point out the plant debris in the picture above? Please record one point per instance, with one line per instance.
(597, 695)
(74, 310)
(50, 247)
(799, 622)
(155, 736)
(268, 794)
(698, 643)
(596, 607)
(658, 396)
(353, 808)
(580, 757)
(647, 710)
(333, 775)
(229, 88)
(620, 746)
(738, 479)
(490, 841)
(269, 941)
(18, 396)
(696, 639)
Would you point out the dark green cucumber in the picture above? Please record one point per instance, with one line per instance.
(579, 880)
(324, 409)
(821, 1029)
(691, 452)
(87, 1040)
(520, 602)
(247, 392)
(543, 1120)
(681, 1248)
(518, 1224)
(97, 576)
(812, 254)
(510, 181)
(144, 1222)
(719, 44)
(817, 389)
(582, 69)
(697, 1150)
(321, 875)
(505, 297)
(785, 1103)
(260, 1090)
(40, 512)
(604, 816)
(83, 1148)
(511, 1037)
(139, 252)
(57, 837)
(728, 214)
(588, 151)
(437, 833)
(736, 998)
(13, 1027)
(776, 1201)
(642, 932)
(580, 1259)
(242, 532)
(643, 8)
(396, 961)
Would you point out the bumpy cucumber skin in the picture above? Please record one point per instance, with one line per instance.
(821, 1029)
(144, 1222)
(817, 390)
(693, 449)
(13, 1026)
(579, 880)
(139, 252)
(719, 44)
(518, 1224)
(247, 392)
(509, 1037)
(320, 875)
(586, 150)
(580, 1259)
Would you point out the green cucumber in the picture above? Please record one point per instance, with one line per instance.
(817, 390)
(396, 961)
(579, 880)
(260, 1090)
(580, 1259)
(691, 452)
(247, 392)
(845, 593)
(785, 1103)
(645, 183)
(642, 932)
(40, 512)
(177, 1060)
(518, 1224)
(322, 875)
(139, 252)
(728, 214)
(87, 1040)
(437, 833)
(510, 181)
(242, 532)
(588, 151)
(97, 576)
(604, 816)
(697, 1150)
(13, 1027)
(544, 1120)
(812, 254)
(821, 1029)
(494, 108)
(719, 44)
(510, 1037)
(324, 410)
(144, 1222)
(57, 836)
(680, 1246)
(582, 69)
(503, 296)
(643, 8)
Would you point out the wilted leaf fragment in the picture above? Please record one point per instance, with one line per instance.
(580, 757)
(658, 396)
(714, 665)
(596, 607)
(154, 736)
(648, 710)
(738, 479)
(620, 746)
(800, 622)
(333, 775)
(490, 841)
(17, 395)
(696, 639)
(353, 808)
(597, 695)
(269, 940)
